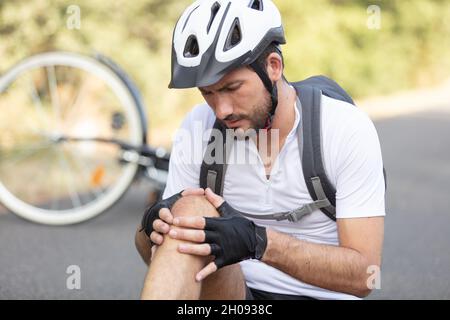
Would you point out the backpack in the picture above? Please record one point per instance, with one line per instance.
(309, 91)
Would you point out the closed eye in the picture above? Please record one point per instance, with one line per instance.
(205, 93)
(232, 88)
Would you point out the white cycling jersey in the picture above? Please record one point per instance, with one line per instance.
(353, 162)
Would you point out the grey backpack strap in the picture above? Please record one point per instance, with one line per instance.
(212, 175)
(294, 215)
(310, 145)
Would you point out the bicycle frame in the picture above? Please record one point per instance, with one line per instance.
(144, 155)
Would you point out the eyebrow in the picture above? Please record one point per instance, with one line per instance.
(226, 86)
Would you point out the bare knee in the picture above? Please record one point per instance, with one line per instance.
(194, 206)
(188, 206)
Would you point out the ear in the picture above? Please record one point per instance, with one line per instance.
(274, 66)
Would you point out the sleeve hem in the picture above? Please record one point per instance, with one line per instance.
(360, 213)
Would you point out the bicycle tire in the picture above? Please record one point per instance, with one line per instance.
(112, 194)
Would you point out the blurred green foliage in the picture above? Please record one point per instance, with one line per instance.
(331, 37)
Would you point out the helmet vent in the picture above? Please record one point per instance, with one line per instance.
(214, 9)
(256, 4)
(235, 35)
(191, 49)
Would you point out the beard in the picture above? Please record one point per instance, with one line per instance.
(257, 116)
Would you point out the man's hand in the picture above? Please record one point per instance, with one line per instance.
(230, 238)
(157, 218)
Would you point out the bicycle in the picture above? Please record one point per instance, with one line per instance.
(74, 140)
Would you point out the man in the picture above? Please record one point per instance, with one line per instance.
(208, 248)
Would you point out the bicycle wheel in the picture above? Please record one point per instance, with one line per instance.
(50, 180)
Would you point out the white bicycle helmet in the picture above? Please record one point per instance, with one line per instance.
(213, 37)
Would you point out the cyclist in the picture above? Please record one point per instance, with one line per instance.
(207, 247)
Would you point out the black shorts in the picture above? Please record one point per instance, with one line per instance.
(254, 294)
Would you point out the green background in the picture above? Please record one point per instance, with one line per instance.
(331, 37)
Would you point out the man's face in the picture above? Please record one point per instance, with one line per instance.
(239, 99)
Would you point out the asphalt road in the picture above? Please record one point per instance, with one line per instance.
(416, 148)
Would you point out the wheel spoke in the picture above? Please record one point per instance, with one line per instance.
(53, 85)
(77, 100)
(25, 152)
(84, 172)
(74, 197)
(37, 102)
(57, 96)
(54, 195)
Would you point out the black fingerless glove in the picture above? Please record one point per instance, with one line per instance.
(234, 238)
(152, 213)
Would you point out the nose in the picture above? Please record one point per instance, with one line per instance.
(223, 108)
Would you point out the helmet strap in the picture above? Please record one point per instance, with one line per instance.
(271, 88)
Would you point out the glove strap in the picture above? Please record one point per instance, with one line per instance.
(261, 242)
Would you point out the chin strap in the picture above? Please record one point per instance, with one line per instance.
(271, 87)
(269, 122)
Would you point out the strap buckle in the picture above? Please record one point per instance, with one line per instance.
(296, 215)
